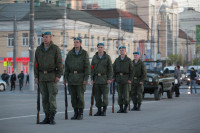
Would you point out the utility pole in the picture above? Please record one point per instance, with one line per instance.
(187, 53)
(15, 46)
(119, 31)
(64, 33)
(31, 47)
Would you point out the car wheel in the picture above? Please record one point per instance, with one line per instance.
(2, 87)
(157, 93)
(170, 93)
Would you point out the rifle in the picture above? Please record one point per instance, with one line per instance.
(113, 97)
(92, 100)
(66, 103)
(38, 100)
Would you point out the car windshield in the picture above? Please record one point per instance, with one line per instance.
(153, 66)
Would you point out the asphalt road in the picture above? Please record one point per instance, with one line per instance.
(177, 115)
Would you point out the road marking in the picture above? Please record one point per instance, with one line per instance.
(26, 116)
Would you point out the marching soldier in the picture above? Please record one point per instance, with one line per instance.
(123, 69)
(139, 75)
(76, 75)
(101, 77)
(48, 70)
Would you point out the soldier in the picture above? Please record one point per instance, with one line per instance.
(5, 77)
(76, 75)
(139, 75)
(101, 77)
(123, 69)
(48, 70)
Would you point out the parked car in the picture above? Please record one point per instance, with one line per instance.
(158, 81)
(2, 85)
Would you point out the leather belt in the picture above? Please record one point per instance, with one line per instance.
(45, 72)
(99, 74)
(76, 72)
(121, 74)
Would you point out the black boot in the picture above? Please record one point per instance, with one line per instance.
(121, 109)
(138, 108)
(46, 119)
(75, 114)
(134, 107)
(104, 111)
(125, 108)
(80, 114)
(98, 113)
(51, 119)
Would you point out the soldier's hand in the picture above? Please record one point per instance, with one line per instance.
(64, 82)
(141, 83)
(84, 82)
(57, 79)
(108, 81)
(36, 80)
(92, 82)
(129, 82)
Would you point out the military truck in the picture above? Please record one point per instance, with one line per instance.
(158, 81)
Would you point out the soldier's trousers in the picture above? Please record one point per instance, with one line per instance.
(136, 93)
(49, 91)
(123, 94)
(101, 94)
(77, 95)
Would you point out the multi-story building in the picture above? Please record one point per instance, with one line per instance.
(189, 22)
(50, 17)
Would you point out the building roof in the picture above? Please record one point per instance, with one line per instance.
(183, 35)
(114, 13)
(46, 12)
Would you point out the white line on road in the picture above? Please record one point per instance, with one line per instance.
(26, 116)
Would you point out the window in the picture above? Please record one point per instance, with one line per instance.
(98, 39)
(79, 35)
(10, 39)
(128, 48)
(104, 40)
(39, 40)
(25, 39)
(86, 40)
(27, 1)
(108, 46)
(48, 1)
(113, 44)
(92, 41)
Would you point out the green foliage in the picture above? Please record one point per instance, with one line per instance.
(175, 59)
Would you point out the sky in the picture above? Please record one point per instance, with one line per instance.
(187, 3)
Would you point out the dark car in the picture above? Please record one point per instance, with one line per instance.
(157, 82)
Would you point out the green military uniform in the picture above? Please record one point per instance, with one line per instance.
(48, 66)
(122, 73)
(101, 72)
(139, 75)
(77, 71)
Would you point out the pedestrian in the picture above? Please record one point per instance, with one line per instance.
(193, 76)
(47, 71)
(76, 74)
(123, 69)
(5, 77)
(177, 82)
(21, 80)
(13, 80)
(139, 75)
(101, 77)
(27, 79)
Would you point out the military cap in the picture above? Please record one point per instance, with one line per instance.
(46, 33)
(138, 53)
(102, 44)
(78, 38)
(124, 47)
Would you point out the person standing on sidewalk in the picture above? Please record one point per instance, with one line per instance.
(5, 77)
(139, 75)
(101, 77)
(21, 80)
(122, 74)
(13, 79)
(177, 76)
(193, 76)
(76, 74)
(47, 71)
